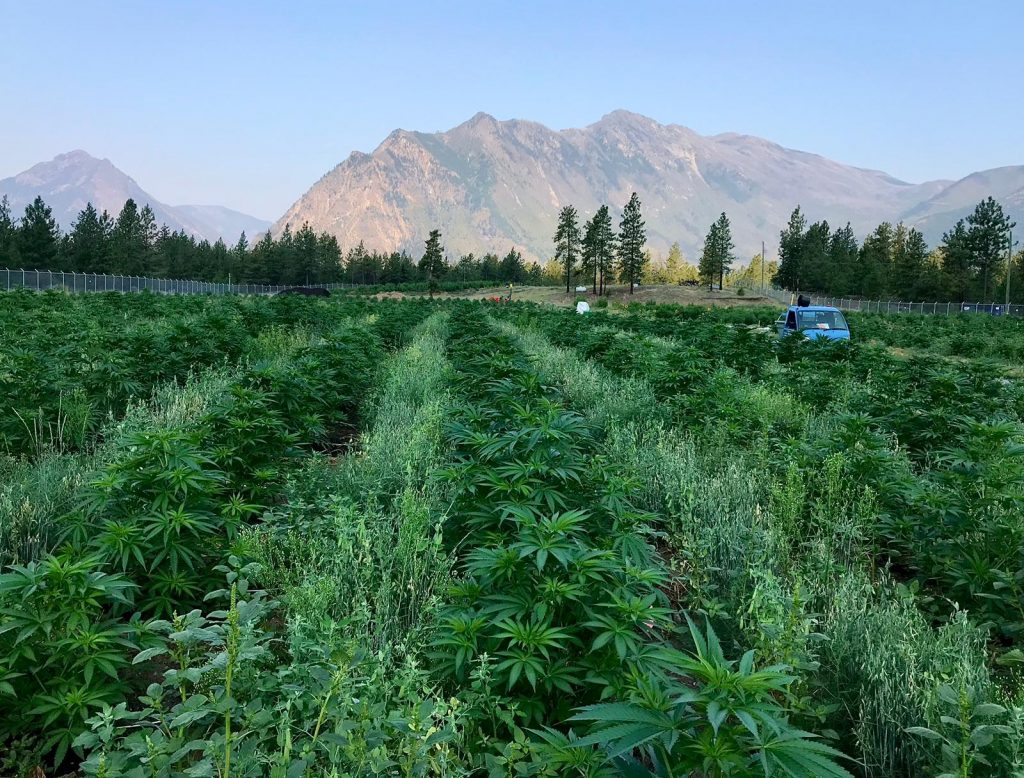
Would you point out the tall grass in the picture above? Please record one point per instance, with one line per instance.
(356, 554)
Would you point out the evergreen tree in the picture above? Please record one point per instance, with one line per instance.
(432, 264)
(490, 268)
(38, 236)
(751, 276)
(286, 260)
(216, 268)
(632, 237)
(674, 263)
(875, 262)
(174, 255)
(843, 253)
(707, 267)
(589, 264)
(258, 270)
(513, 270)
(1017, 277)
(86, 248)
(605, 248)
(717, 255)
(989, 239)
(815, 257)
(150, 229)
(8, 235)
(958, 260)
(128, 241)
(791, 241)
(239, 259)
(567, 243)
(467, 269)
(329, 259)
(910, 254)
(307, 255)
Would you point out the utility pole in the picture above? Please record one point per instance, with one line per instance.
(1009, 269)
(762, 269)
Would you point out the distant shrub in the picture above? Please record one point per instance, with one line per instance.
(602, 303)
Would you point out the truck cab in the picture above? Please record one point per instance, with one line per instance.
(814, 322)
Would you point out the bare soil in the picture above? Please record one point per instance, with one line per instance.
(678, 295)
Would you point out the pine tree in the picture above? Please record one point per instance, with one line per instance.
(260, 268)
(567, 243)
(717, 255)
(910, 253)
(307, 255)
(87, 244)
(128, 241)
(432, 264)
(605, 247)
(513, 270)
(8, 235)
(815, 259)
(286, 261)
(589, 264)
(38, 236)
(958, 260)
(875, 262)
(707, 268)
(632, 237)
(490, 268)
(989, 239)
(329, 259)
(843, 252)
(239, 258)
(791, 241)
(674, 264)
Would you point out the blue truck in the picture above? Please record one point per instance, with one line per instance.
(814, 322)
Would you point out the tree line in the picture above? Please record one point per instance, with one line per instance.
(598, 254)
(894, 261)
(133, 244)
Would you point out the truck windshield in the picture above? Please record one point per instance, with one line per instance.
(821, 320)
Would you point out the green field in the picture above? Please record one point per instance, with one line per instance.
(365, 537)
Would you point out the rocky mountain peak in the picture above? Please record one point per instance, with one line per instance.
(489, 184)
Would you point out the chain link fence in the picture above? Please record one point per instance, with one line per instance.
(41, 280)
(900, 306)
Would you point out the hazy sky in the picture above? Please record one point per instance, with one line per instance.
(247, 104)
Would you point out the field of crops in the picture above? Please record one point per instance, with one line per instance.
(350, 537)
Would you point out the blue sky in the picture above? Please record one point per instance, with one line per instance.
(247, 104)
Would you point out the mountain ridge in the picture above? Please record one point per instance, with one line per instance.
(71, 179)
(490, 184)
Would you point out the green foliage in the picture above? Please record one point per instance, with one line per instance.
(230, 704)
(723, 718)
(567, 243)
(63, 648)
(630, 247)
(155, 521)
(967, 734)
(560, 586)
(865, 460)
(432, 264)
(717, 254)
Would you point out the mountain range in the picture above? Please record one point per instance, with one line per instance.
(489, 185)
(69, 181)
